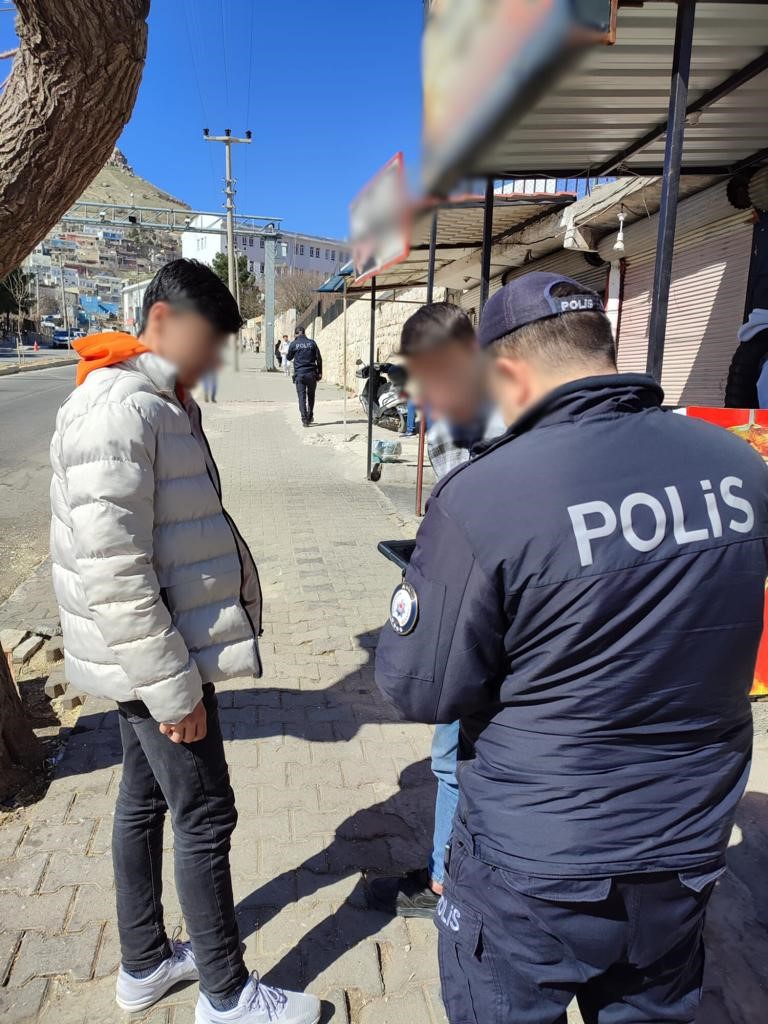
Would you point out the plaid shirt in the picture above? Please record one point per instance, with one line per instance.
(445, 455)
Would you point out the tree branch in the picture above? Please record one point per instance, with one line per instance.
(71, 90)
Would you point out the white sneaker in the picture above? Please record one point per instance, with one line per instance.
(135, 994)
(261, 1004)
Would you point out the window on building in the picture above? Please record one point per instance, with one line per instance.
(261, 243)
(333, 254)
(311, 250)
(250, 241)
(326, 253)
(250, 265)
(296, 249)
(301, 250)
(261, 268)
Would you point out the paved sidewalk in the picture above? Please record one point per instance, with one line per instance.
(328, 784)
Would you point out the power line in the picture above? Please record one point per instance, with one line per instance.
(248, 100)
(224, 52)
(196, 73)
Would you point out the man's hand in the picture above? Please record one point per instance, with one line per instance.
(191, 728)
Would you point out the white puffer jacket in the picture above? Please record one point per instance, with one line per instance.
(157, 591)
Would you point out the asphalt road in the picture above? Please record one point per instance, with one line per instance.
(28, 405)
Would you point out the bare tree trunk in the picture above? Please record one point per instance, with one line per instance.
(19, 747)
(72, 89)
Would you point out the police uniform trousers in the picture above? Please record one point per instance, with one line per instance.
(629, 948)
(306, 385)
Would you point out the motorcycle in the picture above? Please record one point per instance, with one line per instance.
(387, 385)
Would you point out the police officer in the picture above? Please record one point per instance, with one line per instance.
(307, 361)
(587, 598)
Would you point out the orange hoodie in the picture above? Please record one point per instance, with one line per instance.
(106, 349)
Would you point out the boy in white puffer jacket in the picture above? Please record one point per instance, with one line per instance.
(160, 599)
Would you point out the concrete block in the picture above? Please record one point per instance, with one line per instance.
(72, 699)
(55, 685)
(27, 649)
(54, 649)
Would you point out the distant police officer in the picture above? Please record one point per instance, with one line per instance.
(307, 361)
(587, 597)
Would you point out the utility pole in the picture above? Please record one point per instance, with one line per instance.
(271, 237)
(229, 191)
(64, 300)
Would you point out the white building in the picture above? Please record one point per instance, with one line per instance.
(299, 252)
(133, 299)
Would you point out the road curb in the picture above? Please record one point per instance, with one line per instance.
(49, 364)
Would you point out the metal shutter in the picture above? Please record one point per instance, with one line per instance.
(572, 264)
(706, 306)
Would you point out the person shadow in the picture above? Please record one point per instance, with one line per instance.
(386, 838)
(323, 715)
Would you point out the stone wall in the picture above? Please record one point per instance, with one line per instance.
(390, 317)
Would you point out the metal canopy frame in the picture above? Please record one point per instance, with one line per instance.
(687, 47)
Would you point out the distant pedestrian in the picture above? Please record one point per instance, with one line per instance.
(747, 384)
(284, 346)
(210, 386)
(159, 596)
(307, 361)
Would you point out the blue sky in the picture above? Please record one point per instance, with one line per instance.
(334, 92)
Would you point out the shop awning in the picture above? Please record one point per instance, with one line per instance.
(460, 232)
(606, 112)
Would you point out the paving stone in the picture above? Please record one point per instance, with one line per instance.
(93, 1002)
(11, 638)
(397, 1007)
(47, 955)
(9, 942)
(22, 874)
(273, 799)
(71, 869)
(22, 1004)
(10, 836)
(42, 912)
(49, 838)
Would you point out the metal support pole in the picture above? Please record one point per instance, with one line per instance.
(423, 418)
(485, 271)
(270, 247)
(371, 361)
(673, 155)
(344, 377)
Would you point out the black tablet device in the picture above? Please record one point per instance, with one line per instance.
(397, 551)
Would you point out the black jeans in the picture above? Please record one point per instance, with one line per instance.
(192, 781)
(306, 385)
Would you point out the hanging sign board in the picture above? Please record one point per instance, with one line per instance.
(485, 61)
(379, 221)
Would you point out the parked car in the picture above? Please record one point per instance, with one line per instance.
(63, 338)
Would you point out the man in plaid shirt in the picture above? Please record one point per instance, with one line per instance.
(444, 359)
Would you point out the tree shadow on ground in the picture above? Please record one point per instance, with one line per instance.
(390, 836)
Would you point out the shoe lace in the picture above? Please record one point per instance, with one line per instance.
(271, 1000)
(180, 951)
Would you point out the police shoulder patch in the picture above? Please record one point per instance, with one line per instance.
(404, 609)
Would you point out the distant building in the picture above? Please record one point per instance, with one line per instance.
(133, 299)
(314, 253)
